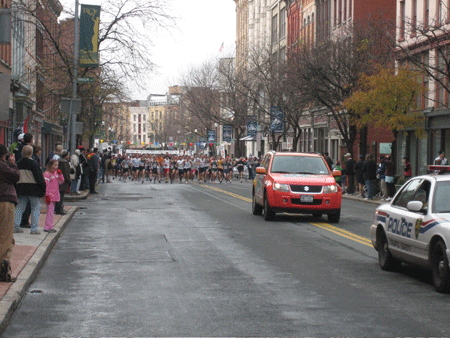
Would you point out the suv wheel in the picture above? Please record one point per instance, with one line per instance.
(256, 208)
(268, 213)
(334, 217)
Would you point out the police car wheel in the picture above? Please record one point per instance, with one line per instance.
(440, 269)
(268, 213)
(387, 262)
(256, 208)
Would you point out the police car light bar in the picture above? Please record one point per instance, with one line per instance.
(441, 169)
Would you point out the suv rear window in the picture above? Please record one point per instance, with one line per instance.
(307, 165)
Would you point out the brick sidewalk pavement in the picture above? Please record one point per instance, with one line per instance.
(28, 256)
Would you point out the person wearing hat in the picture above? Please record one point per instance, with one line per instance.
(64, 166)
(25, 139)
(350, 173)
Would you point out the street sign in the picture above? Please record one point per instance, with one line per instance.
(85, 79)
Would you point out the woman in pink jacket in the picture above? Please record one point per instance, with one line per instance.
(53, 178)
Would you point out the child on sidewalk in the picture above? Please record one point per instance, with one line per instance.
(53, 178)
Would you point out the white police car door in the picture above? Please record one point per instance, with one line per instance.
(400, 228)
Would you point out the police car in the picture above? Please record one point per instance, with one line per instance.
(415, 227)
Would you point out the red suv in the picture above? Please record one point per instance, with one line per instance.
(296, 183)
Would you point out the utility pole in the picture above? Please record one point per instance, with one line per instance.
(71, 132)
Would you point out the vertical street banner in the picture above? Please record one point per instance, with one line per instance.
(89, 30)
(202, 143)
(276, 119)
(211, 136)
(252, 126)
(227, 133)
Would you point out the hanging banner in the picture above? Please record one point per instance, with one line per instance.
(252, 126)
(227, 132)
(89, 29)
(276, 120)
(211, 136)
(202, 143)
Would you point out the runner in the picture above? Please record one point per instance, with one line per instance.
(136, 162)
(220, 169)
(166, 167)
(227, 170)
(213, 168)
(180, 166)
(240, 167)
(201, 170)
(160, 161)
(187, 168)
(173, 169)
(142, 168)
(125, 168)
(154, 167)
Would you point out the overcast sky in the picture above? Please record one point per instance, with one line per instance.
(203, 26)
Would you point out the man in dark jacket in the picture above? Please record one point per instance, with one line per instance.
(64, 166)
(30, 188)
(350, 173)
(93, 170)
(369, 170)
(84, 185)
(9, 175)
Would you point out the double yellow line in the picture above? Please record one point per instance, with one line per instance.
(344, 233)
(325, 226)
(228, 193)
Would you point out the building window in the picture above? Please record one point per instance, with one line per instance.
(402, 20)
(134, 118)
(335, 13)
(345, 10)
(440, 12)
(350, 8)
(283, 23)
(275, 29)
(340, 12)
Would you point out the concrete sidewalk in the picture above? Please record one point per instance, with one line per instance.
(28, 256)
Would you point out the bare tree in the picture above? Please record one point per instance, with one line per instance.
(124, 43)
(328, 73)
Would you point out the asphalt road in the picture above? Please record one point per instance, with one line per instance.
(192, 260)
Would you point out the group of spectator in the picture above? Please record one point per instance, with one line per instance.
(371, 177)
(23, 184)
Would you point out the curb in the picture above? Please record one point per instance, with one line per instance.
(12, 299)
(354, 198)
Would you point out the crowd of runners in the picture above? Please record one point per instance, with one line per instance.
(181, 169)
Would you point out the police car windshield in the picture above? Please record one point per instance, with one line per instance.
(441, 198)
(306, 165)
